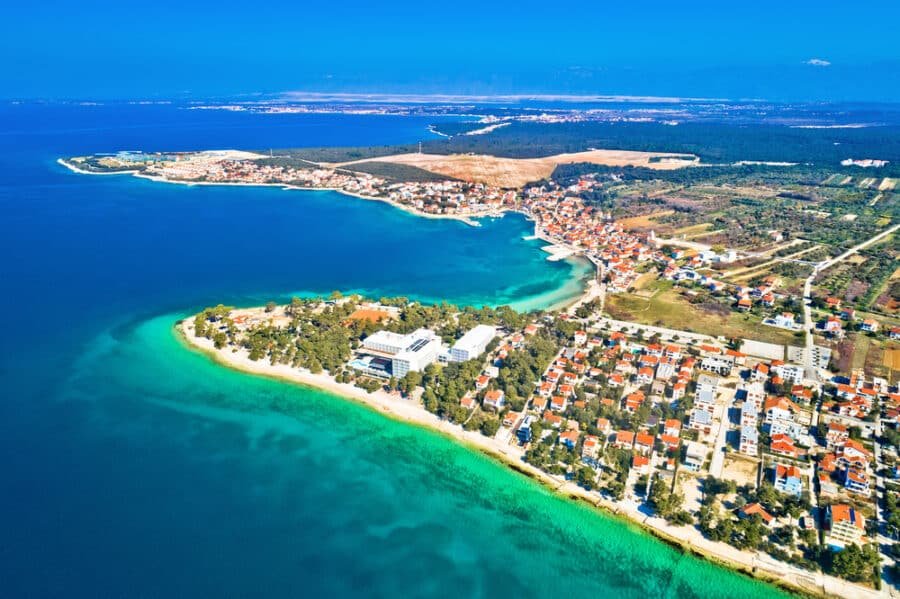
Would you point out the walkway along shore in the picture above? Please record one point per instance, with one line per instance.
(685, 538)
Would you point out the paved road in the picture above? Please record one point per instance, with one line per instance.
(812, 372)
(665, 334)
(726, 400)
(881, 538)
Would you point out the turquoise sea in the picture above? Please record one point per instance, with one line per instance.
(134, 467)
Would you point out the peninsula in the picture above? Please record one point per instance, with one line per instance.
(681, 391)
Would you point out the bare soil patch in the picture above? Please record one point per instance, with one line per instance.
(516, 172)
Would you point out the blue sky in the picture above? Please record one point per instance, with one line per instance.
(93, 49)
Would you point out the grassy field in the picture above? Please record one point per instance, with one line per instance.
(691, 230)
(877, 356)
(892, 360)
(862, 346)
(644, 221)
(668, 308)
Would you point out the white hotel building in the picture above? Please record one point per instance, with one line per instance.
(413, 351)
(473, 343)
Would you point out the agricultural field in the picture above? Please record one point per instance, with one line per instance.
(867, 281)
(692, 231)
(878, 356)
(646, 221)
(754, 208)
(891, 359)
(888, 302)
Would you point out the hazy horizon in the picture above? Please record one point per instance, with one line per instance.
(801, 52)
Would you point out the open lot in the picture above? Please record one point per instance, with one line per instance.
(666, 306)
(516, 172)
(742, 470)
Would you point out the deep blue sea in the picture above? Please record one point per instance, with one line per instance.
(133, 467)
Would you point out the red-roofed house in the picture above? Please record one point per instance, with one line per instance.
(836, 436)
(604, 426)
(787, 479)
(856, 481)
(624, 440)
(558, 403)
(554, 420)
(633, 401)
(672, 427)
(784, 445)
(495, 398)
(845, 525)
(643, 443)
(755, 509)
(569, 439)
(591, 447)
(640, 464)
(670, 442)
(645, 375)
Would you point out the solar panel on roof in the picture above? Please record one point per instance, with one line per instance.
(419, 344)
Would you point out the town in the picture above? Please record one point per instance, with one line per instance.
(682, 431)
(756, 440)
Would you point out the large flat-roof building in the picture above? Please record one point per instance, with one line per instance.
(411, 352)
(387, 342)
(707, 384)
(749, 444)
(473, 343)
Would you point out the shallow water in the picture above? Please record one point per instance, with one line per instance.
(135, 467)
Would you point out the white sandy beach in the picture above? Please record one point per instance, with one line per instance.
(409, 411)
(689, 538)
(75, 169)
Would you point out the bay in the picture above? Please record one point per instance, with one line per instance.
(135, 467)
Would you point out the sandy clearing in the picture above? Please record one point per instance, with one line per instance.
(229, 155)
(516, 172)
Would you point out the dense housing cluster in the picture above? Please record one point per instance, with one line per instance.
(744, 448)
(712, 377)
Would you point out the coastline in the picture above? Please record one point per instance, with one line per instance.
(688, 540)
(469, 220)
(80, 171)
(585, 282)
